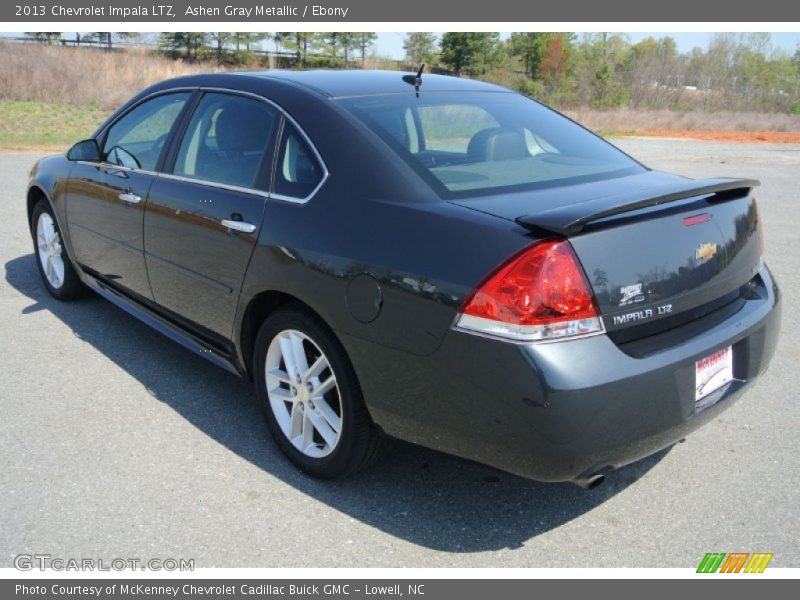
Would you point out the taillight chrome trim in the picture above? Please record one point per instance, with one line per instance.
(525, 334)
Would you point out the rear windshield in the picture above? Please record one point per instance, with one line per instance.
(469, 143)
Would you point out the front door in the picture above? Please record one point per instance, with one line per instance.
(106, 200)
(203, 218)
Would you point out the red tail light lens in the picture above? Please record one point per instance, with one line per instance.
(540, 294)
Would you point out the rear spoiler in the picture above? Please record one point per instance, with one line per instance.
(573, 218)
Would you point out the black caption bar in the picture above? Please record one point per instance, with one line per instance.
(462, 11)
(341, 589)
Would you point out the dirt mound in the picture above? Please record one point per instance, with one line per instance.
(749, 137)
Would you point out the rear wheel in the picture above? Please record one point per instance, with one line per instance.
(310, 396)
(55, 268)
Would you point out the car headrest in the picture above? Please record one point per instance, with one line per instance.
(394, 124)
(242, 128)
(305, 171)
(497, 143)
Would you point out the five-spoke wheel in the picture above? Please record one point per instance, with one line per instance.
(48, 244)
(303, 393)
(310, 395)
(58, 274)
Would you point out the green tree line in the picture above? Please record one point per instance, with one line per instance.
(307, 49)
(735, 72)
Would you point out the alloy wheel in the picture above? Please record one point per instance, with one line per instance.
(303, 393)
(48, 245)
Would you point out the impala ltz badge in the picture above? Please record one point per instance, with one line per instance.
(631, 294)
(705, 251)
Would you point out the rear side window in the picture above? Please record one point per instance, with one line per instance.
(298, 171)
(225, 141)
(137, 139)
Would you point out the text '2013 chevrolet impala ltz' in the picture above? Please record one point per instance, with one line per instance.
(420, 257)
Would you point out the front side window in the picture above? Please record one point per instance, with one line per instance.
(471, 143)
(298, 171)
(137, 139)
(225, 141)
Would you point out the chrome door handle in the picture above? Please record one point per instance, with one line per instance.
(130, 198)
(242, 226)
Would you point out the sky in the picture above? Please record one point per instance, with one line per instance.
(391, 44)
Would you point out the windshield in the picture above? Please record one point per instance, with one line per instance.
(468, 143)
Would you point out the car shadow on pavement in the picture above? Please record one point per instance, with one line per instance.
(418, 495)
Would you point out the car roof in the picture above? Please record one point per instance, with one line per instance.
(343, 83)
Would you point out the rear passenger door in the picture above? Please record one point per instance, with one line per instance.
(204, 212)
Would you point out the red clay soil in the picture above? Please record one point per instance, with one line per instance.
(764, 137)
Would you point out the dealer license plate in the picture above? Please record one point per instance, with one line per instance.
(712, 372)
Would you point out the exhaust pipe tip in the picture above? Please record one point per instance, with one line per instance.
(590, 482)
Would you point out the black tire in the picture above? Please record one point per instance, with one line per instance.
(360, 443)
(71, 287)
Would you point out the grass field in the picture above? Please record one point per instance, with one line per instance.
(31, 125)
(51, 97)
(637, 120)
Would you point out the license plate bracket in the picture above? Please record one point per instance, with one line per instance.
(712, 372)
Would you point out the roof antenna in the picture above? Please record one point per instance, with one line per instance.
(416, 81)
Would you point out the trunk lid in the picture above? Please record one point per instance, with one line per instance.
(654, 246)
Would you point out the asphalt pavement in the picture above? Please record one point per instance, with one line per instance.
(117, 443)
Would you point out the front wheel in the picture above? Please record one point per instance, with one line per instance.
(55, 268)
(311, 398)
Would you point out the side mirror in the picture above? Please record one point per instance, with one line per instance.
(87, 150)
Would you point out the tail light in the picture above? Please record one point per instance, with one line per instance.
(539, 294)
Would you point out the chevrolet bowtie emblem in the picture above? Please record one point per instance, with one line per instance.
(705, 251)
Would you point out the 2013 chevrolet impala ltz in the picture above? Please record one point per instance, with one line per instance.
(416, 256)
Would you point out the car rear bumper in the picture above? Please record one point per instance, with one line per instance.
(561, 411)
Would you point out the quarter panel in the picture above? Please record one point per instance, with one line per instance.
(423, 256)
